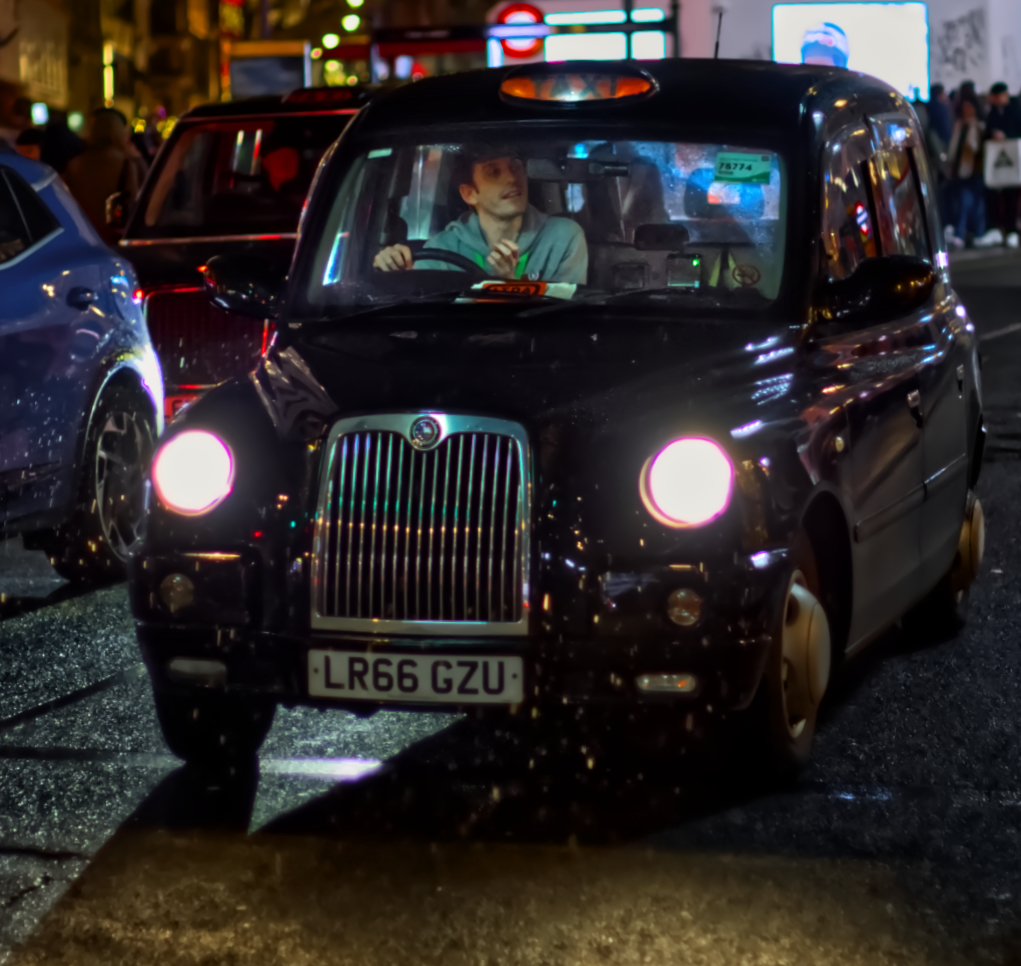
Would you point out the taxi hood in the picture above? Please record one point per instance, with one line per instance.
(598, 371)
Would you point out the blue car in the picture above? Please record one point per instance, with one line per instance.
(81, 394)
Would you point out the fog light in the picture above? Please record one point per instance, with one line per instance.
(667, 683)
(684, 607)
(197, 671)
(177, 592)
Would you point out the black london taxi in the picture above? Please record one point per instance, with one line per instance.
(601, 386)
(231, 177)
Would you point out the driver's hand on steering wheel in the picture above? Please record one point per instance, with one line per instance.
(393, 258)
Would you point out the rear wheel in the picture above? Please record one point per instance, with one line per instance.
(213, 729)
(944, 610)
(94, 544)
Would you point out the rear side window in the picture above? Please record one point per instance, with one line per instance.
(14, 233)
(848, 221)
(899, 207)
(39, 220)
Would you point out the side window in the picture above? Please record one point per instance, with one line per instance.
(848, 229)
(901, 214)
(14, 234)
(39, 219)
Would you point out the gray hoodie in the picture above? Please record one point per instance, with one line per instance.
(552, 249)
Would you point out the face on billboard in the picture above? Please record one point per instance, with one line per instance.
(887, 40)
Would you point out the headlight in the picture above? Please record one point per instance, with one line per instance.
(687, 483)
(193, 472)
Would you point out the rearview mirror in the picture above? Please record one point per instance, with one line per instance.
(879, 290)
(244, 284)
(575, 170)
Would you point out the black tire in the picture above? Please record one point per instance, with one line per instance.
(214, 730)
(94, 544)
(783, 716)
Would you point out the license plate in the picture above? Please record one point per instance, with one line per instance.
(436, 678)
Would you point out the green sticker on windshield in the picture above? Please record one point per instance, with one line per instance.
(733, 167)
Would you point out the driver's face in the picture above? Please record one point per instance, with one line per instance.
(499, 188)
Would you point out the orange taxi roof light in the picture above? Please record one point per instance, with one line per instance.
(575, 88)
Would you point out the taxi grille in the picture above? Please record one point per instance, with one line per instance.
(411, 536)
(198, 344)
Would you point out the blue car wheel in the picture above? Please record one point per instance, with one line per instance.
(95, 543)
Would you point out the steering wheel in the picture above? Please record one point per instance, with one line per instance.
(451, 258)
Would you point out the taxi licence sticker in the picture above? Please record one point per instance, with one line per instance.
(733, 167)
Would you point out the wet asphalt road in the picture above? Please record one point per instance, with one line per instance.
(421, 839)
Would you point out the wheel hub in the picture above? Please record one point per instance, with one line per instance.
(805, 661)
(970, 546)
(122, 454)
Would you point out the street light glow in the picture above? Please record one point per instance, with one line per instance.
(330, 41)
(351, 22)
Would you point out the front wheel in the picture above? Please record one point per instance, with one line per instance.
(214, 730)
(797, 671)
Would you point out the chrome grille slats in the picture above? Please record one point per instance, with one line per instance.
(420, 538)
(503, 529)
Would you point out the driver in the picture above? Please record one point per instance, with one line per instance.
(503, 234)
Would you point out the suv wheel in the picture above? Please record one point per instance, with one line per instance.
(94, 544)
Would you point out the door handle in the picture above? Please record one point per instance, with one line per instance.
(915, 405)
(81, 297)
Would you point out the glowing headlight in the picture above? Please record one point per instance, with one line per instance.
(687, 483)
(193, 472)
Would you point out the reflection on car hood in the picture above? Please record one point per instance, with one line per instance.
(595, 372)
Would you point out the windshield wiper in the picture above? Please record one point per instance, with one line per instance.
(608, 298)
(366, 307)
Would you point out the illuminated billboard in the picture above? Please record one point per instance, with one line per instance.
(887, 40)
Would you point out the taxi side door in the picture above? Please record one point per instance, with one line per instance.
(874, 366)
(904, 195)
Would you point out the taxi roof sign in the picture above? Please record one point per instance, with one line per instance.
(563, 85)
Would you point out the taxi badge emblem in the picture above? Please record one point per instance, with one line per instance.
(425, 433)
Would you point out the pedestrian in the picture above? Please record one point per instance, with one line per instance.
(15, 112)
(941, 119)
(964, 175)
(109, 164)
(60, 143)
(967, 92)
(29, 143)
(1003, 122)
(937, 129)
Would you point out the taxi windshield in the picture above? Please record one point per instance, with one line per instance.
(553, 217)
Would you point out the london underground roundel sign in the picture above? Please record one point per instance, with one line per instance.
(527, 46)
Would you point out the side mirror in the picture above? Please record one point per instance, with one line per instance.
(244, 284)
(118, 208)
(879, 290)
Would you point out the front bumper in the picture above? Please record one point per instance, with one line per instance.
(592, 660)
